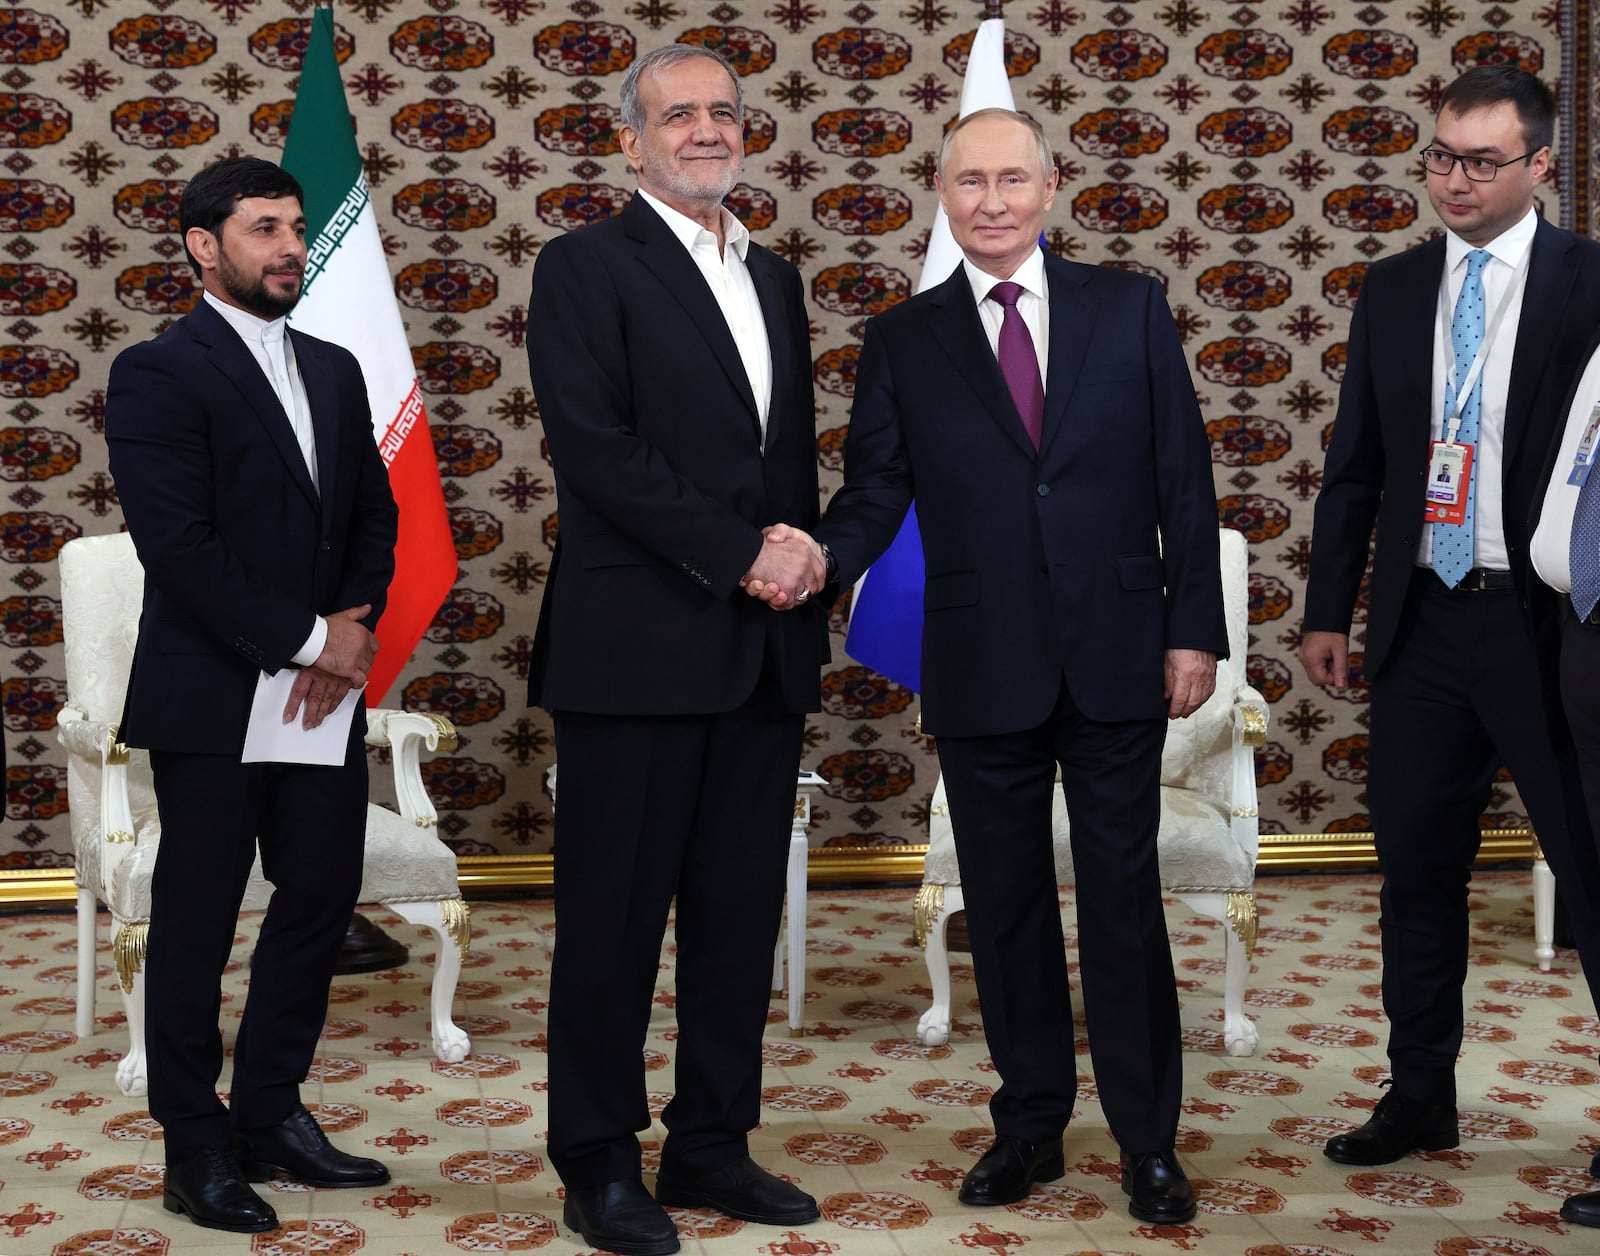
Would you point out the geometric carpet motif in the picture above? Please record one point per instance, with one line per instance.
(878, 1127)
(1254, 158)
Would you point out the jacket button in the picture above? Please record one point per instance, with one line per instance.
(1044, 490)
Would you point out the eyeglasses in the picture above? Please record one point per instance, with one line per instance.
(1478, 169)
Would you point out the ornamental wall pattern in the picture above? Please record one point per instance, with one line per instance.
(1255, 158)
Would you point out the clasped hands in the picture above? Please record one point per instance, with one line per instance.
(789, 569)
(343, 665)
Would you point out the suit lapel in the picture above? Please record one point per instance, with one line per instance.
(322, 395)
(234, 361)
(955, 324)
(1073, 305)
(770, 293)
(1544, 303)
(667, 259)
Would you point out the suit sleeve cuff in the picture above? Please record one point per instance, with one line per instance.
(311, 651)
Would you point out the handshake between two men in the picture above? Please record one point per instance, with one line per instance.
(789, 569)
(346, 658)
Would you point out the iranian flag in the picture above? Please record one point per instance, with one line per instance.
(349, 300)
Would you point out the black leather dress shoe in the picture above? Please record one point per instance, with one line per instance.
(302, 1150)
(1399, 1126)
(1008, 1168)
(1582, 1209)
(211, 1191)
(620, 1217)
(1157, 1190)
(742, 1189)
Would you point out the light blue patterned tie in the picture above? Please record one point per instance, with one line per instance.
(1452, 542)
(1584, 554)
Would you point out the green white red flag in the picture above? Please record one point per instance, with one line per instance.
(349, 299)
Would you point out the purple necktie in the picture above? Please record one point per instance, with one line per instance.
(1018, 361)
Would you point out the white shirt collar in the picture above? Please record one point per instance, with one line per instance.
(251, 327)
(1508, 247)
(691, 232)
(1030, 274)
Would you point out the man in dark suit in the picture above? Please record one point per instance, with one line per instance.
(1463, 345)
(1565, 554)
(671, 362)
(261, 512)
(1041, 413)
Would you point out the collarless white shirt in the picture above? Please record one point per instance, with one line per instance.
(270, 346)
(1033, 305)
(1551, 550)
(1506, 252)
(728, 277)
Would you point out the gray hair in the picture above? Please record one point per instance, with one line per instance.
(1047, 159)
(665, 58)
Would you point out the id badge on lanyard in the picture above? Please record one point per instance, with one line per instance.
(1584, 459)
(1449, 461)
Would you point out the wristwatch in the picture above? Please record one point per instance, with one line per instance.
(830, 565)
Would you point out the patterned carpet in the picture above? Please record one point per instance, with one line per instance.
(878, 1127)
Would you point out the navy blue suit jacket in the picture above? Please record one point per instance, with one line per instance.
(1040, 563)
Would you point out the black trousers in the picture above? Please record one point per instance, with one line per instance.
(1457, 699)
(311, 825)
(1580, 696)
(648, 808)
(1000, 793)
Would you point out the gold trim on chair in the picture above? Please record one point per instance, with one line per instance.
(448, 740)
(1242, 917)
(926, 909)
(128, 948)
(119, 835)
(1254, 732)
(116, 751)
(457, 922)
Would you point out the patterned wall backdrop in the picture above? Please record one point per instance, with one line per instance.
(1255, 158)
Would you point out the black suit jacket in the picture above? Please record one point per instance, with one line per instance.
(661, 477)
(1378, 458)
(240, 551)
(1048, 562)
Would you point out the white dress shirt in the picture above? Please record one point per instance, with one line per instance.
(1506, 251)
(1552, 540)
(273, 351)
(1033, 305)
(729, 280)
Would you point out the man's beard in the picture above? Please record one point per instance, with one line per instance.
(676, 182)
(255, 297)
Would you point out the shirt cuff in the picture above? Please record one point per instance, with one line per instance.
(311, 651)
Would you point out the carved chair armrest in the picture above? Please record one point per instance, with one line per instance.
(95, 742)
(1250, 717)
(407, 734)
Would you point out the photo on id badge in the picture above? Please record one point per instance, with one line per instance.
(1449, 472)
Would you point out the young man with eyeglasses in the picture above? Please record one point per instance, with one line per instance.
(1461, 353)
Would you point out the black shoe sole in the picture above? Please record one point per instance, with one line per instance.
(1440, 1140)
(671, 1197)
(623, 1247)
(1048, 1171)
(261, 1171)
(172, 1203)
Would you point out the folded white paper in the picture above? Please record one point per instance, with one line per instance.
(268, 739)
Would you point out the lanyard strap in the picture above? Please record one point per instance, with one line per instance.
(1457, 400)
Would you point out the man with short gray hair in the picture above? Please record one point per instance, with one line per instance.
(671, 360)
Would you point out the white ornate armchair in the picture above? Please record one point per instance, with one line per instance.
(1209, 827)
(116, 831)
